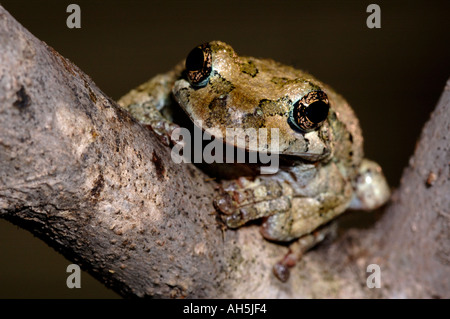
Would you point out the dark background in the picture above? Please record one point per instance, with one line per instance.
(392, 77)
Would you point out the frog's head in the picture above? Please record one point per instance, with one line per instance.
(220, 90)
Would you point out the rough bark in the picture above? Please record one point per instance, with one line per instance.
(414, 237)
(81, 174)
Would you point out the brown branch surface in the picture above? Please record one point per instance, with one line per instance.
(82, 175)
(414, 236)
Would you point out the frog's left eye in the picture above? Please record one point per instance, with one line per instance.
(198, 65)
(311, 111)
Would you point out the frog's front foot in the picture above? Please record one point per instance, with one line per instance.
(297, 249)
(243, 200)
(163, 130)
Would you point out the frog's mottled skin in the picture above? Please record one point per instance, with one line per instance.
(327, 172)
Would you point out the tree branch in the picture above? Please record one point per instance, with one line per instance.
(81, 174)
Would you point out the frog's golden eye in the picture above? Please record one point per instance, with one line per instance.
(199, 65)
(311, 111)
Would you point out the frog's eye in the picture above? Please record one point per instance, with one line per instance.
(311, 111)
(198, 65)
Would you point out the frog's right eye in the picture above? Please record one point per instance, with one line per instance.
(199, 65)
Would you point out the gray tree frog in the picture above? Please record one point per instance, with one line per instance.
(323, 170)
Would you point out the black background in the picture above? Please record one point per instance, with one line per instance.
(391, 76)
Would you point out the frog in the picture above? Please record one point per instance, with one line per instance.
(323, 171)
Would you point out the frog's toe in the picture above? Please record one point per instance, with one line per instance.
(163, 130)
(243, 200)
(244, 192)
(224, 204)
(234, 220)
(299, 247)
(246, 213)
(242, 215)
(281, 269)
(231, 196)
